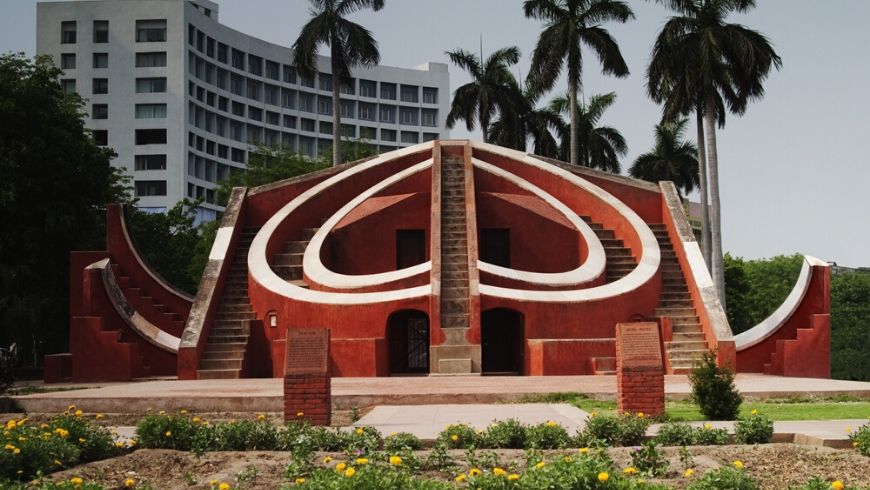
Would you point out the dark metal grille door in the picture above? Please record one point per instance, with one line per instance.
(418, 345)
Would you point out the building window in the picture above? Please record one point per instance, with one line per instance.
(100, 86)
(288, 98)
(101, 137)
(253, 90)
(367, 133)
(306, 81)
(430, 117)
(255, 65)
(325, 127)
(101, 60)
(410, 137)
(150, 188)
(150, 136)
(368, 88)
(408, 116)
(150, 162)
(150, 111)
(388, 114)
(273, 118)
(101, 31)
(430, 136)
(237, 84)
(151, 31)
(367, 112)
(68, 61)
(150, 85)
(100, 111)
(308, 125)
(388, 91)
(271, 94)
(290, 121)
(348, 131)
(148, 60)
(326, 82)
(273, 70)
(347, 108)
(255, 113)
(68, 86)
(222, 51)
(68, 32)
(388, 134)
(324, 106)
(289, 74)
(409, 93)
(238, 59)
(430, 95)
(238, 109)
(306, 102)
(349, 87)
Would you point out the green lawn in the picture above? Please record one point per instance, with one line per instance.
(776, 409)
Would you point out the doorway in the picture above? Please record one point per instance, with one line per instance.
(502, 342)
(495, 246)
(408, 339)
(410, 248)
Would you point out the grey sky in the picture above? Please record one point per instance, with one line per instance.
(795, 171)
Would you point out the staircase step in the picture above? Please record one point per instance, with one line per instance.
(224, 347)
(218, 373)
(220, 364)
(288, 259)
(454, 321)
(227, 339)
(296, 247)
(235, 315)
(682, 345)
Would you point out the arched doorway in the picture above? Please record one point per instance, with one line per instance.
(408, 338)
(502, 342)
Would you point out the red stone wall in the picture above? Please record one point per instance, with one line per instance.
(308, 397)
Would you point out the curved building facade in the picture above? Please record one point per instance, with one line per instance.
(183, 98)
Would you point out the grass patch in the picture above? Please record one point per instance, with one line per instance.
(33, 389)
(792, 408)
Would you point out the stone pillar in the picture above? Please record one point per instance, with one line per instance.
(307, 380)
(640, 375)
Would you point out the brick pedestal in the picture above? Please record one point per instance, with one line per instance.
(309, 395)
(640, 375)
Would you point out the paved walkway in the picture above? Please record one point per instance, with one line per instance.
(265, 395)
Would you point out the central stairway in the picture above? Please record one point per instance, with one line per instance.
(456, 354)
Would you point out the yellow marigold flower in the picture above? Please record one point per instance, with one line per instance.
(567, 459)
(16, 451)
(119, 445)
(300, 481)
(394, 434)
(640, 415)
(498, 471)
(261, 417)
(738, 464)
(753, 412)
(362, 460)
(129, 483)
(81, 441)
(300, 414)
(195, 420)
(168, 433)
(213, 483)
(474, 472)
(513, 477)
(550, 423)
(837, 485)
(76, 480)
(11, 425)
(99, 416)
(708, 426)
(630, 471)
(43, 426)
(478, 431)
(593, 414)
(10, 447)
(848, 429)
(71, 408)
(460, 478)
(327, 460)
(349, 472)
(855, 444)
(57, 462)
(540, 464)
(62, 433)
(340, 466)
(689, 473)
(395, 461)
(19, 472)
(162, 412)
(603, 476)
(224, 486)
(205, 423)
(21, 422)
(360, 431)
(182, 411)
(133, 442)
(584, 450)
(454, 438)
(78, 413)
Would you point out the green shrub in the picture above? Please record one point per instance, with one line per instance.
(458, 436)
(374, 474)
(861, 439)
(815, 483)
(625, 430)
(676, 434)
(649, 460)
(548, 435)
(505, 434)
(363, 439)
(708, 436)
(7, 369)
(713, 389)
(754, 429)
(402, 441)
(632, 429)
(167, 432)
(725, 478)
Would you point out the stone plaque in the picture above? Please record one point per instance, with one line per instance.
(307, 351)
(638, 345)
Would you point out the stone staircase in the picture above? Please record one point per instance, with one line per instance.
(224, 352)
(288, 263)
(456, 355)
(688, 344)
(157, 313)
(618, 257)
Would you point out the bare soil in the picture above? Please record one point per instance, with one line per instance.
(775, 466)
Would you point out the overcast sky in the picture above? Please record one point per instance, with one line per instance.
(795, 171)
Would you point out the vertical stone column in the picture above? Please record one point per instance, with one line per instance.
(640, 375)
(307, 380)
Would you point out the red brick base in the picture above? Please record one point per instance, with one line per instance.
(641, 390)
(309, 395)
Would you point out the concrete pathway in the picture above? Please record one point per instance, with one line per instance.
(265, 395)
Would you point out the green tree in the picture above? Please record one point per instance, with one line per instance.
(55, 184)
(599, 146)
(571, 24)
(758, 287)
(672, 158)
(492, 88)
(850, 325)
(350, 45)
(351, 151)
(523, 121)
(700, 60)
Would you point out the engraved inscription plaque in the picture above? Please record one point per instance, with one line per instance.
(639, 345)
(307, 351)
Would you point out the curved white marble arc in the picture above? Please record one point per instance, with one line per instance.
(262, 273)
(591, 269)
(319, 273)
(647, 266)
(778, 318)
(153, 334)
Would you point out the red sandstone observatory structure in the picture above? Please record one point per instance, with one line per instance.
(448, 257)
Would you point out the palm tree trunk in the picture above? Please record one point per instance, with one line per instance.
(336, 115)
(715, 211)
(572, 101)
(702, 171)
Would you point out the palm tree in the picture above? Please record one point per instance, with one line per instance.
(672, 158)
(700, 62)
(350, 45)
(491, 90)
(596, 146)
(570, 24)
(523, 121)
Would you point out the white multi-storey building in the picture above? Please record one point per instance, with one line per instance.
(181, 98)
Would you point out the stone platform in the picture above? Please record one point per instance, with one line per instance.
(266, 395)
